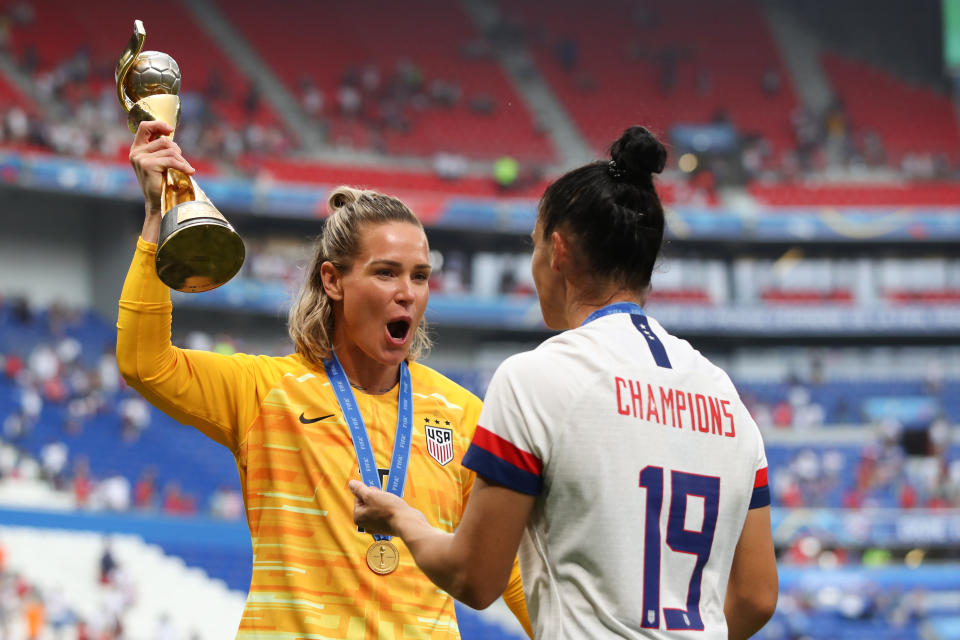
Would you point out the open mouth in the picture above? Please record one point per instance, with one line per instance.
(398, 329)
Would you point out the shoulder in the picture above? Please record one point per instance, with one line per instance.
(430, 382)
(292, 363)
(555, 370)
(692, 360)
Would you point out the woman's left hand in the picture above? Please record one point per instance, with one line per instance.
(378, 511)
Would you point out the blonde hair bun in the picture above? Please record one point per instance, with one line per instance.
(342, 196)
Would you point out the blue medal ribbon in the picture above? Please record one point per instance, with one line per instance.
(358, 431)
(618, 307)
(639, 319)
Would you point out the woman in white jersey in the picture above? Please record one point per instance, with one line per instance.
(620, 461)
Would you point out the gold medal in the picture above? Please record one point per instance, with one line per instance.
(383, 557)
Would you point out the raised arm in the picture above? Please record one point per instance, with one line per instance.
(212, 392)
(753, 585)
(472, 565)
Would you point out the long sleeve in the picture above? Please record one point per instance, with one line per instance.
(215, 393)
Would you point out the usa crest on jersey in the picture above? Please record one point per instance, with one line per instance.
(440, 443)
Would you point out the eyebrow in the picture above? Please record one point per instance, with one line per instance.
(394, 263)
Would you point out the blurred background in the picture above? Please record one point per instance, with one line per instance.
(813, 252)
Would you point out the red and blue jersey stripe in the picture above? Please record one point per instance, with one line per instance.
(761, 490)
(503, 462)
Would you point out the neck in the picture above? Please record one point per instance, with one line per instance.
(580, 309)
(364, 373)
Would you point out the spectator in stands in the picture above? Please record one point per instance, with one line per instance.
(771, 81)
(15, 426)
(53, 459)
(107, 562)
(82, 482)
(355, 325)
(449, 165)
(134, 417)
(34, 615)
(226, 504)
(506, 170)
(176, 502)
(568, 53)
(112, 493)
(144, 491)
(311, 98)
(8, 460)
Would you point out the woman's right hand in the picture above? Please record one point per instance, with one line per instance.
(151, 153)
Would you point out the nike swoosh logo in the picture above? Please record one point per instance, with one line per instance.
(306, 420)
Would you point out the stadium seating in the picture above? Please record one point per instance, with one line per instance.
(429, 34)
(621, 64)
(159, 584)
(843, 401)
(62, 31)
(11, 95)
(859, 84)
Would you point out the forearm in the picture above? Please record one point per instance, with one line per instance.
(473, 564)
(434, 552)
(151, 224)
(743, 618)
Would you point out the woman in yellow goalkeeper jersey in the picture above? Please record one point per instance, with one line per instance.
(350, 403)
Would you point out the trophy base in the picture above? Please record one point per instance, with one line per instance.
(197, 249)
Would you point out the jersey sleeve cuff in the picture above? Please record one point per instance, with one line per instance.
(761, 490)
(495, 468)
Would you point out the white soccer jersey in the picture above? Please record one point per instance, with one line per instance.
(644, 462)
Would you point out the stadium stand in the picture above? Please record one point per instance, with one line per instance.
(123, 598)
(396, 77)
(649, 63)
(857, 84)
(83, 44)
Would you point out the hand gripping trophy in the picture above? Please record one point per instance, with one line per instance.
(197, 249)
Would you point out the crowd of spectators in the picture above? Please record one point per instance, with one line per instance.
(907, 466)
(73, 111)
(803, 612)
(72, 108)
(32, 612)
(828, 142)
(54, 374)
(878, 473)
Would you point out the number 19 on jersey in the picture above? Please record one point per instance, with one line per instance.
(679, 540)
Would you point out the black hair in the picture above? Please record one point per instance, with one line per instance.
(612, 209)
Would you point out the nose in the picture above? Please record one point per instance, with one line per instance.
(404, 292)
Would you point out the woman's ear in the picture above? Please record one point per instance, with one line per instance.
(559, 251)
(332, 280)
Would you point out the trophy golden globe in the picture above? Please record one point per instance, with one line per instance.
(197, 249)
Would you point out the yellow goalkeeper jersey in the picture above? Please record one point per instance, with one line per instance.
(280, 419)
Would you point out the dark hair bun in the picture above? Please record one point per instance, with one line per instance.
(638, 153)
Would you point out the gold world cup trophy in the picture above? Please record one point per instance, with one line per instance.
(197, 249)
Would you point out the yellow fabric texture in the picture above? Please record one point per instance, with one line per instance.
(280, 419)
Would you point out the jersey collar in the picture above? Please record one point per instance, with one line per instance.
(617, 307)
